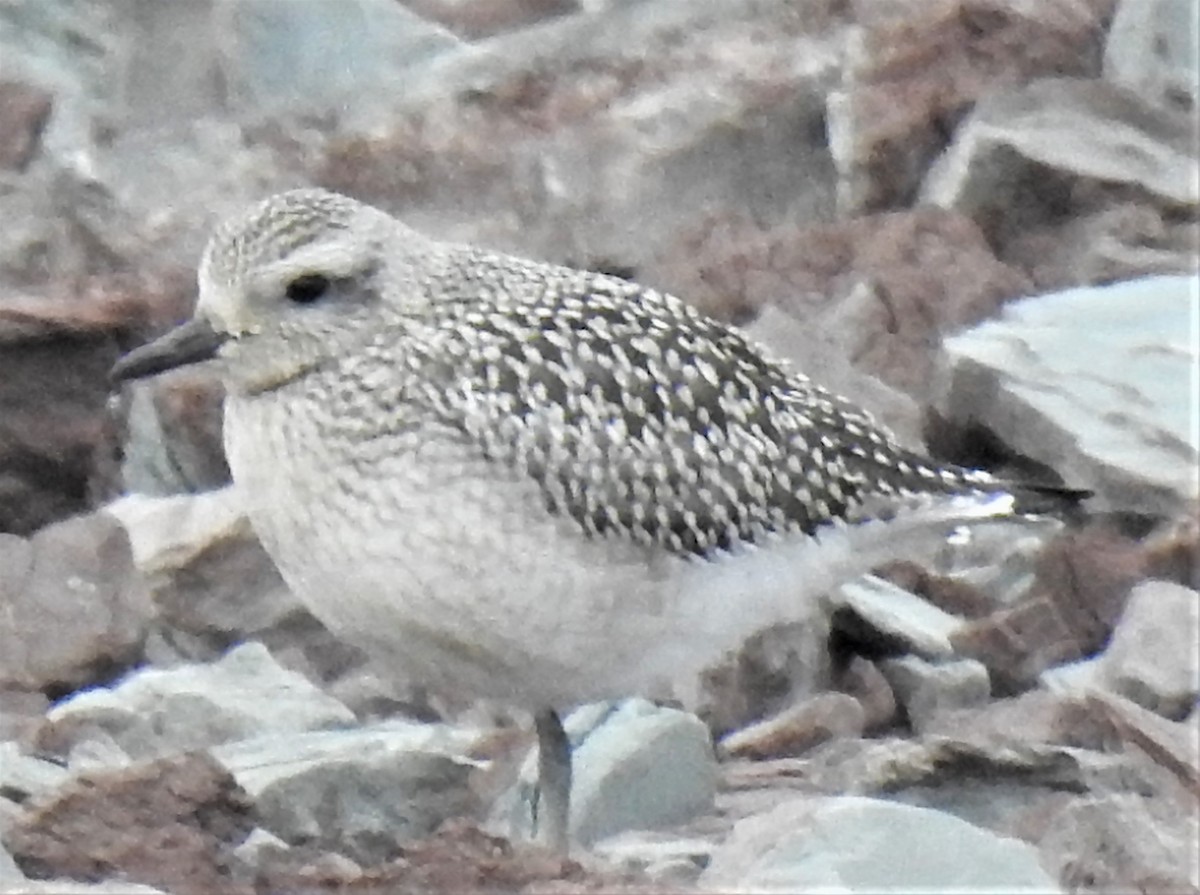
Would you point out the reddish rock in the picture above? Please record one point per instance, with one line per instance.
(953, 595)
(24, 111)
(885, 287)
(171, 823)
(458, 858)
(1083, 580)
(75, 607)
(797, 729)
(918, 66)
(55, 353)
(863, 680)
(1017, 644)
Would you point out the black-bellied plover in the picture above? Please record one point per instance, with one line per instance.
(526, 482)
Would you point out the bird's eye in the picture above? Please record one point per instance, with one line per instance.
(307, 288)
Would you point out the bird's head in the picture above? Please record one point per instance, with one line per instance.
(290, 283)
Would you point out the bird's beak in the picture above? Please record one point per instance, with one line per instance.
(188, 343)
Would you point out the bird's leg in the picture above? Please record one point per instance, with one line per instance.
(552, 808)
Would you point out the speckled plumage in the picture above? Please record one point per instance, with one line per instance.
(532, 482)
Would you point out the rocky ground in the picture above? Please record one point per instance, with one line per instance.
(977, 217)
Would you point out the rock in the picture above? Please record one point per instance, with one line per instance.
(650, 116)
(158, 712)
(863, 680)
(173, 432)
(773, 669)
(1075, 181)
(877, 612)
(24, 111)
(1124, 843)
(1072, 677)
(1151, 50)
(169, 823)
(1172, 745)
(75, 607)
(69, 887)
(10, 873)
(1124, 431)
(635, 766)
(20, 710)
(314, 58)
(915, 67)
(23, 776)
(214, 585)
(1152, 657)
(359, 792)
(474, 20)
(1018, 644)
(259, 846)
(927, 689)
(1078, 129)
(55, 438)
(663, 858)
(797, 729)
(873, 294)
(854, 844)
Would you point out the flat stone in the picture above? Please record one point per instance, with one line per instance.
(662, 857)
(1124, 428)
(361, 792)
(798, 728)
(23, 775)
(927, 689)
(1079, 129)
(859, 845)
(156, 712)
(908, 622)
(1153, 658)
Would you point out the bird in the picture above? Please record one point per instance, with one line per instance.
(531, 483)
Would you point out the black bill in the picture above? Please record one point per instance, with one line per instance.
(189, 343)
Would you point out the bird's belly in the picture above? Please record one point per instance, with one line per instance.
(449, 570)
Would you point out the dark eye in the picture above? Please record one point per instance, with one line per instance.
(307, 288)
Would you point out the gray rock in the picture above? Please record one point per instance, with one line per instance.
(71, 887)
(314, 57)
(664, 858)
(360, 792)
(635, 766)
(1072, 677)
(1124, 843)
(1151, 50)
(154, 712)
(10, 873)
(258, 845)
(927, 689)
(1122, 427)
(853, 844)
(1086, 131)
(900, 616)
(1152, 657)
(23, 775)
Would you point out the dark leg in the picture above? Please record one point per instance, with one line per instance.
(553, 806)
